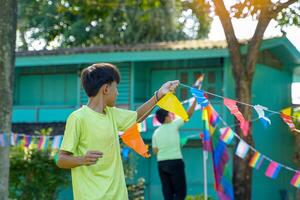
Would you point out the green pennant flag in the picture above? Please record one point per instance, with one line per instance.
(183, 141)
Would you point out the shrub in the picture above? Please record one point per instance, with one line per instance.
(34, 175)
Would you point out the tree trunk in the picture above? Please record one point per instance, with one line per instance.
(8, 17)
(242, 174)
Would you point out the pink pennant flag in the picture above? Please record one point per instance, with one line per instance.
(155, 121)
(245, 127)
(273, 170)
(288, 120)
(231, 105)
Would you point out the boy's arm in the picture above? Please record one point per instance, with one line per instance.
(66, 160)
(144, 110)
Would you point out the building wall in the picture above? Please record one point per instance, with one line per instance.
(44, 94)
(50, 94)
(149, 77)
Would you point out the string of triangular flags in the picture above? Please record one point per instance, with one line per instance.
(227, 135)
(42, 142)
(220, 156)
(286, 114)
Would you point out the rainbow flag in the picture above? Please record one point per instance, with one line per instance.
(142, 127)
(213, 119)
(273, 170)
(27, 140)
(43, 143)
(222, 170)
(296, 180)
(226, 135)
(256, 160)
(206, 133)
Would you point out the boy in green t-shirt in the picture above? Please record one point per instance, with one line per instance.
(90, 147)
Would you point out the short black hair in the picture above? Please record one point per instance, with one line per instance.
(161, 115)
(96, 75)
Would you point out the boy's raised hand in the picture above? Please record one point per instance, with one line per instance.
(169, 86)
(91, 157)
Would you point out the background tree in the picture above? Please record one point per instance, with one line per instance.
(244, 64)
(8, 17)
(70, 23)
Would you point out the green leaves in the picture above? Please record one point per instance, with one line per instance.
(98, 22)
(35, 177)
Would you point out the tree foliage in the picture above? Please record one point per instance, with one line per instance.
(34, 175)
(69, 23)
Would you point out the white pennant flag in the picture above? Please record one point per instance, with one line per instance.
(261, 114)
(12, 139)
(191, 100)
(242, 149)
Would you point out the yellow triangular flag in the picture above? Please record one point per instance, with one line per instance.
(170, 103)
(287, 111)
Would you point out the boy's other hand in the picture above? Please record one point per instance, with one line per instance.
(169, 86)
(91, 157)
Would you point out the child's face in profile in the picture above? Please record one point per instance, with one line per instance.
(112, 94)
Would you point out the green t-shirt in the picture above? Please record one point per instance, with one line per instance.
(167, 139)
(88, 130)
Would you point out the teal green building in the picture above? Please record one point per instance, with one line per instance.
(47, 90)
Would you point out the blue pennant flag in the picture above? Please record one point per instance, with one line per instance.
(199, 95)
(125, 153)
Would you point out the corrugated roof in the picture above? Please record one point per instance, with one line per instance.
(177, 45)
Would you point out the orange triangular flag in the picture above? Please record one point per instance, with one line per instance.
(170, 103)
(132, 138)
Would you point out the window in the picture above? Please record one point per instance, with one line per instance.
(46, 89)
(212, 81)
(184, 80)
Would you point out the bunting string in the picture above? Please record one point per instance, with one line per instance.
(252, 148)
(243, 103)
(225, 125)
